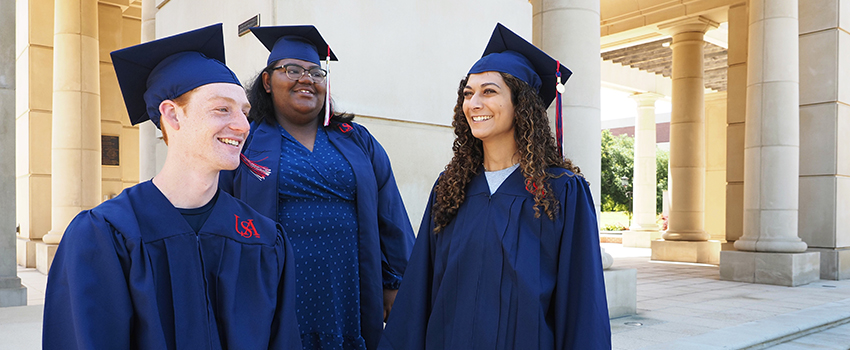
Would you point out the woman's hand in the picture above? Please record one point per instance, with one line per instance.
(389, 299)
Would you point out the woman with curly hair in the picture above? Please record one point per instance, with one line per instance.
(329, 183)
(508, 253)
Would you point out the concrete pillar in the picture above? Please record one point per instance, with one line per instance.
(148, 133)
(75, 153)
(770, 251)
(686, 239)
(771, 148)
(687, 131)
(12, 293)
(33, 110)
(569, 31)
(715, 166)
(736, 113)
(824, 125)
(644, 228)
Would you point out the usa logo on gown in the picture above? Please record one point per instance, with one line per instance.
(247, 228)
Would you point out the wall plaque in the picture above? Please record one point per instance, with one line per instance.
(109, 150)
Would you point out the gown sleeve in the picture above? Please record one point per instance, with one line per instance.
(285, 332)
(87, 303)
(580, 307)
(407, 324)
(396, 234)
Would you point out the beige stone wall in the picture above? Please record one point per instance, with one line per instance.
(825, 124)
(715, 165)
(33, 108)
(119, 26)
(736, 113)
(416, 168)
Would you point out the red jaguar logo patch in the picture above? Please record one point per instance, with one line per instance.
(248, 230)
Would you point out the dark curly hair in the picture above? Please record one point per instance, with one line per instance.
(536, 146)
(262, 105)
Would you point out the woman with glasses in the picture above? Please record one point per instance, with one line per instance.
(329, 183)
(507, 256)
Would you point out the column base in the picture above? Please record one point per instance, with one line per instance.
(621, 292)
(12, 293)
(640, 239)
(25, 251)
(783, 269)
(727, 246)
(834, 263)
(704, 252)
(44, 253)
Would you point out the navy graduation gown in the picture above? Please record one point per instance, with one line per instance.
(385, 235)
(496, 277)
(132, 274)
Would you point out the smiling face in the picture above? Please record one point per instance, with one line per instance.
(296, 102)
(488, 108)
(213, 125)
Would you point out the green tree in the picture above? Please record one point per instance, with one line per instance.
(617, 162)
(662, 163)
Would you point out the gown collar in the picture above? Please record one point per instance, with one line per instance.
(514, 185)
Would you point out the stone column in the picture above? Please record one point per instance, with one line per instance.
(644, 228)
(33, 111)
(75, 153)
(736, 113)
(148, 133)
(685, 239)
(715, 165)
(569, 31)
(770, 251)
(12, 293)
(824, 126)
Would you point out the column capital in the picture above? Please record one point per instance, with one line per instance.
(697, 24)
(646, 99)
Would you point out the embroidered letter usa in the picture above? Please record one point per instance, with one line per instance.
(247, 228)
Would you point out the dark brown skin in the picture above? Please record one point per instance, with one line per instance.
(297, 103)
(389, 299)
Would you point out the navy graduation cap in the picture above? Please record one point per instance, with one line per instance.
(509, 53)
(299, 42)
(166, 68)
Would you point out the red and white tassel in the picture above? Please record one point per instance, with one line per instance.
(259, 171)
(559, 122)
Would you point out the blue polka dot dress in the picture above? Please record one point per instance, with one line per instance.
(317, 209)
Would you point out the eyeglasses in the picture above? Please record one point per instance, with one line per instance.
(296, 72)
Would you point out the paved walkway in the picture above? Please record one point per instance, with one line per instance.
(687, 307)
(680, 307)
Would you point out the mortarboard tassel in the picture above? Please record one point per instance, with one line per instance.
(259, 171)
(559, 124)
(328, 88)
